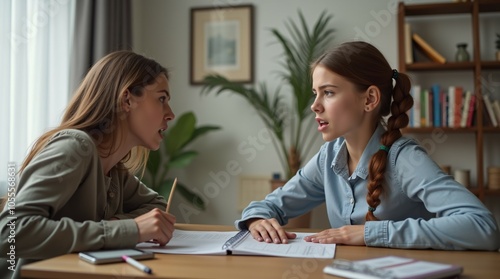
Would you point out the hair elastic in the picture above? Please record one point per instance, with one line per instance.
(395, 74)
(371, 209)
(385, 148)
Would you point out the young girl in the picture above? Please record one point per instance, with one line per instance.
(76, 190)
(380, 188)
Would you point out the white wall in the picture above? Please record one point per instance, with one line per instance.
(161, 31)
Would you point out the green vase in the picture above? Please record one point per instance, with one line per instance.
(462, 55)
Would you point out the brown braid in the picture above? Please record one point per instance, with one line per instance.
(402, 102)
(364, 65)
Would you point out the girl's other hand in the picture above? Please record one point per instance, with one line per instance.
(350, 235)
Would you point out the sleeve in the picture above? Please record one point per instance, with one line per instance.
(138, 199)
(461, 220)
(45, 186)
(299, 195)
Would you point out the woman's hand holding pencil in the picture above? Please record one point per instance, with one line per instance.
(157, 224)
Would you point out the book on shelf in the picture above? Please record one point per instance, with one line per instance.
(238, 243)
(496, 110)
(465, 110)
(489, 108)
(415, 111)
(426, 104)
(427, 49)
(458, 107)
(408, 44)
(392, 267)
(472, 110)
(451, 107)
(436, 104)
(444, 108)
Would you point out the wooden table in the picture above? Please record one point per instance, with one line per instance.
(476, 264)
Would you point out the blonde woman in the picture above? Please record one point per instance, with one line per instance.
(76, 187)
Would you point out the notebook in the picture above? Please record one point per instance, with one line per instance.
(392, 267)
(238, 243)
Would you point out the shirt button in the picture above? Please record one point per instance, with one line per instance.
(351, 201)
(111, 195)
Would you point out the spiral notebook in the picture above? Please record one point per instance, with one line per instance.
(238, 243)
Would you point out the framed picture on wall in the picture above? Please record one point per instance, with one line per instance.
(222, 43)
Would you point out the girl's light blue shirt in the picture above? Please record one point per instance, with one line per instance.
(421, 206)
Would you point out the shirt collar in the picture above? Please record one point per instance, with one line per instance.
(339, 163)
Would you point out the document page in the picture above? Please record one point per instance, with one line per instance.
(212, 243)
(296, 248)
(192, 242)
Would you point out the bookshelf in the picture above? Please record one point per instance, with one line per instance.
(475, 66)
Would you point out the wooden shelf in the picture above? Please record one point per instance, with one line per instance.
(451, 66)
(494, 65)
(432, 66)
(485, 6)
(438, 9)
(474, 9)
(489, 6)
(490, 129)
(429, 130)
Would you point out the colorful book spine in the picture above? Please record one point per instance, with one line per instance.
(465, 110)
(444, 109)
(472, 110)
(451, 106)
(424, 105)
(436, 105)
(430, 110)
(458, 106)
(416, 111)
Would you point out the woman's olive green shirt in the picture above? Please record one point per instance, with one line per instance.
(64, 203)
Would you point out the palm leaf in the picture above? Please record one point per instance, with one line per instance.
(181, 133)
(182, 159)
(198, 132)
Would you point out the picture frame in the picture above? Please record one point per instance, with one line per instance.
(222, 43)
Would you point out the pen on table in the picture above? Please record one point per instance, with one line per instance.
(171, 195)
(137, 264)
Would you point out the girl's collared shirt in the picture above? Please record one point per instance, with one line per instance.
(421, 206)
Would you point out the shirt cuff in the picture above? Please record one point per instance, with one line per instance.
(120, 234)
(377, 233)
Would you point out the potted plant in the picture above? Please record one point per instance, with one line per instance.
(173, 154)
(498, 46)
(291, 127)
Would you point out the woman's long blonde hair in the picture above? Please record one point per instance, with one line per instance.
(96, 106)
